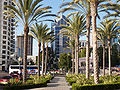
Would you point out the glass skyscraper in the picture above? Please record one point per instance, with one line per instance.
(59, 45)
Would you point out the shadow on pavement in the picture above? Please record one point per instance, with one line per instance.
(53, 85)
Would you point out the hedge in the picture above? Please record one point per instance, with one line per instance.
(43, 83)
(111, 86)
(25, 86)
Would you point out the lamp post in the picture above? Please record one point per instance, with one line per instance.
(19, 59)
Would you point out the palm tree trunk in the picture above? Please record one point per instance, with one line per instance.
(88, 22)
(76, 54)
(94, 32)
(39, 46)
(103, 59)
(46, 59)
(26, 30)
(109, 43)
(43, 58)
(73, 60)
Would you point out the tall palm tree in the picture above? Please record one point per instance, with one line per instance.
(38, 32)
(26, 12)
(83, 7)
(112, 28)
(76, 28)
(45, 34)
(102, 36)
(49, 38)
(93, 4)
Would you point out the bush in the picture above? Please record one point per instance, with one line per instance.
(33, 82)
(80, 79)
(25, 86)
(71, 78)
(112, 86)
(109, 79)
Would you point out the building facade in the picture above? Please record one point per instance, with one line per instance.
(7, 36)
(59, 45)
(20, 46)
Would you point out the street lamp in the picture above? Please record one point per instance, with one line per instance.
(19, 59)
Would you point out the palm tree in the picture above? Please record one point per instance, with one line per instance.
(83, 7)
(76, 27)
(45, 34)
(112, 28)
(93, 4)
(38, 32)
(26, 12)
(102, 36)
(114, 7)
(49, 38)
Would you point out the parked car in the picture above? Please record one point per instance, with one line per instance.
(5, 79)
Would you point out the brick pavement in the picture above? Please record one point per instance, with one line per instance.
(58, 83)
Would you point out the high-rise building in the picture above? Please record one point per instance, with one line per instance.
(7, 36)
(59, 45)
(20, 45)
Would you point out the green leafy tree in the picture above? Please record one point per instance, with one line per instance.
(114, 57)
(62, 62)
(65, 61)
(69, 61)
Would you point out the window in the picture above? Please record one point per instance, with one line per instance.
(3, 68)
(4, 27)
(8, 52)
(5, 3)
(4, 37)
(4, 18)
(7, 57)
(8, 48)
(4, 42)
(3, 62)
(5, 22)
(8, 43)
(83, 64)
(8, 34)
(4, 32)
(3, 56)
(4, 47)
(3, 52)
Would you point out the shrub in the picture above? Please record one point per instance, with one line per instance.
(25, 86)
(109, 79)
(112, 86)
(71, 78)
(32, 82)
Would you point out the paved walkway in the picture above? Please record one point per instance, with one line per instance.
(58, 83)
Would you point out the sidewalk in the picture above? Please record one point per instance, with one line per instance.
(58, 83)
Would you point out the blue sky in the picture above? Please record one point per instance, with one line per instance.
(55, 8)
